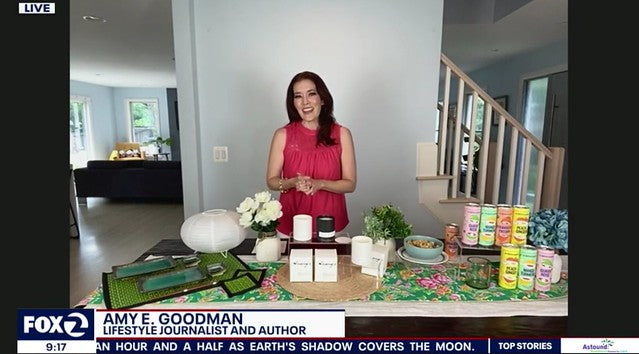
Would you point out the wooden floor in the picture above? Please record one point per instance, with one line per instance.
(116, 232)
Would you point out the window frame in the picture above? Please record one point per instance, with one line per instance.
(88, 131)
(131, 128)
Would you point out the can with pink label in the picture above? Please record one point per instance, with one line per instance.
(543, 275)
(451, 233)
(470, 229)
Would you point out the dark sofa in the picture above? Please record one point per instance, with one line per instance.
(135, 179)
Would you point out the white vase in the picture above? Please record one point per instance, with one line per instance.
(556, 268)
(267, 248)
(390, 248)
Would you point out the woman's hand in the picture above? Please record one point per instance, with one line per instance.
(302, 184)
(314, 185)
(308, 185)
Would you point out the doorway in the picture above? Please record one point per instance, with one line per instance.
(556, 125)
(545, 108)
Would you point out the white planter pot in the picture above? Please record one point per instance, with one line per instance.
(557, 263)
(267, 249)
(390, 247)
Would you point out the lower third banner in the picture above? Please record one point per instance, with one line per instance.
(295, 345)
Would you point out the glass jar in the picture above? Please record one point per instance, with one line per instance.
(478, 272)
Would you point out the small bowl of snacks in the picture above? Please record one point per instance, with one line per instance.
(423, 247)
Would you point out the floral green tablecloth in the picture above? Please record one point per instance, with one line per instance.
(444, 282)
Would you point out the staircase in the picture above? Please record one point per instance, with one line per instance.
(440, 164)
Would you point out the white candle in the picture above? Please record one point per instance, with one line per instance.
(361, 248)
(302, 227)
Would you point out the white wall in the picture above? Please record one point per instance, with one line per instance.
(234, 60)
(504, 78)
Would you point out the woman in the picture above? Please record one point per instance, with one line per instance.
(312, 159)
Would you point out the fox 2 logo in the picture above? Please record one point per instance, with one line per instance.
(68, 324)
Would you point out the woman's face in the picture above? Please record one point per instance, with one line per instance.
(306, 100)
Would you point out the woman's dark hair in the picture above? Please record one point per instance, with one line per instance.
(326, 119)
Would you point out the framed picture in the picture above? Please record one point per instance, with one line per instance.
(503, 101)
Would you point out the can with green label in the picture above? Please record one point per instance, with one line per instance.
(487, 225)
(527, 266)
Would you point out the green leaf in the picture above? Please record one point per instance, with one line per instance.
(385, 222)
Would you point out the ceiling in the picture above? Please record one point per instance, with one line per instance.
(134, 47)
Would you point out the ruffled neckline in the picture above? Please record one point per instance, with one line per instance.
(305, 130)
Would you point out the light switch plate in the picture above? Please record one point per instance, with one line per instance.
(220, 154)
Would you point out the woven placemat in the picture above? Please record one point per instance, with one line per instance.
(351, 283)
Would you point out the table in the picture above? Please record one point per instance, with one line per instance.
(368, 319)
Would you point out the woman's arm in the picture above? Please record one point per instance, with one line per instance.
(276, 161)
(349, 169)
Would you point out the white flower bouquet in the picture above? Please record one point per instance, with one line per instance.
(260, 213)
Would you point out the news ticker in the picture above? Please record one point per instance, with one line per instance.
(276, 331)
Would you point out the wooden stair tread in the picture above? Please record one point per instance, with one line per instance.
(460, 200)
(430, 178)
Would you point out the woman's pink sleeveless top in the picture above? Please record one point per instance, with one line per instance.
(301, 155)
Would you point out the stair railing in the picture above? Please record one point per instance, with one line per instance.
(449, 156)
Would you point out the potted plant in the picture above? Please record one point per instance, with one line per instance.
(384, 223)
(159, 141)
(262, 214)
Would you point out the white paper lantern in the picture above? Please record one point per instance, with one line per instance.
(212, 231)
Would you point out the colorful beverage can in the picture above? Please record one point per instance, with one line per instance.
(519, 234)
(508, 266)
(470, 230)
(543, 275)
(451, 233)
(487, 225)
(527, 266)
(504, 224)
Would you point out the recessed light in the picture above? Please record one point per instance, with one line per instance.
(92, 18)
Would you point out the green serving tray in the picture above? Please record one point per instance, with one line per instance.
(144, 267)
(170, 279)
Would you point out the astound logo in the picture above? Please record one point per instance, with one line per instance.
(55, 324)
(606, 344)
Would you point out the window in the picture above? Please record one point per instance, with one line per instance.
(144, 119)
(79, 142)
(479, 121)
(479, 126)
